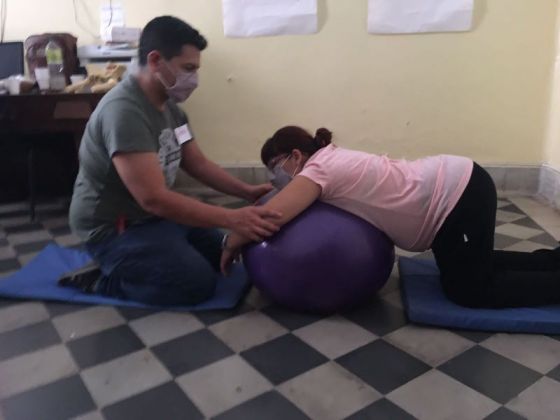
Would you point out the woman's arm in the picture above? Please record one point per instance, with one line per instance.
(299, 194)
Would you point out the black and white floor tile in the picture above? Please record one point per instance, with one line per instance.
(259, 361)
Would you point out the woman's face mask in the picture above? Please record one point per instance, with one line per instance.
(279, 178)
(185, 83)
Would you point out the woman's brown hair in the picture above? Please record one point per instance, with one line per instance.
(292, 137)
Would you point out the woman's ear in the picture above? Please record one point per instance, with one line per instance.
(299, 159)
(298, 155)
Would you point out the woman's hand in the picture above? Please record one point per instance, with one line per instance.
(228, 258)
(255, 192)
(231, 252)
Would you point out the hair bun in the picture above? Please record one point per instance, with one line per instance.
(323, 137)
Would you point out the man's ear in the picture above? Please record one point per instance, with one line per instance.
(154, 59)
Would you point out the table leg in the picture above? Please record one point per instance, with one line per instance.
(31, 181)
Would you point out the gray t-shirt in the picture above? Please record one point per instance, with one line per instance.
(124, 121)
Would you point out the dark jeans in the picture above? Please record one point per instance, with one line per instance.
(473, 273)
(160, 263)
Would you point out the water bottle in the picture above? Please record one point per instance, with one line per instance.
(55, 64)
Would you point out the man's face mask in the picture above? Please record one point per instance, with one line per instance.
(185, 83)
(279, 178)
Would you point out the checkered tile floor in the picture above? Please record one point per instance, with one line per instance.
(62, 361)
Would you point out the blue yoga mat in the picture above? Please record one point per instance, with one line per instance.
(425, 303)
(38, 280)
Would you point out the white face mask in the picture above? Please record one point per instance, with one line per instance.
(185, 83)
(279, 178)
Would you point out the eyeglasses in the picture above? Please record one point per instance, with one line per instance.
(276, 161)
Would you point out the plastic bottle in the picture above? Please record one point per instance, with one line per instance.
(55, 63)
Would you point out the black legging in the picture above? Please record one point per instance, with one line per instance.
(473, 273)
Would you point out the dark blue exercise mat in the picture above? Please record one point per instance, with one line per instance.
(38, 280)
(425, 303)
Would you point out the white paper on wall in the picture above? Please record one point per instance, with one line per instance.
(248, 18)
(111, 15)
(417, 16)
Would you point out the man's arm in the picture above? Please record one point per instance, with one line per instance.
(299, 194)
(196, 164)
(142, 175)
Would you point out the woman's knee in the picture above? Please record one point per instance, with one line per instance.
(464, 293)
(466, 299)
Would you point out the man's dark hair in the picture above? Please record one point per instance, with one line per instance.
(168, 35)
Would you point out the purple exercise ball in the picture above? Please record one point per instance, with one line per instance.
(323, 261)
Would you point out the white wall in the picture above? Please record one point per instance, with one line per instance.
(483, 94)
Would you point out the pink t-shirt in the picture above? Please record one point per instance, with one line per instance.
(408, 200)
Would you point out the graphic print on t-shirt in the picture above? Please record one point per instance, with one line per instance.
(169, 155)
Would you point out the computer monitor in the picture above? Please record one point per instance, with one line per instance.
(11, 59)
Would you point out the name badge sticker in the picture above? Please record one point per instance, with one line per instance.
(183, 134)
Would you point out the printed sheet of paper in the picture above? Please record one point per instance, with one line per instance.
(249, 18)
(417, 16)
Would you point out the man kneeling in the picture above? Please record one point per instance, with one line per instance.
(154, 245)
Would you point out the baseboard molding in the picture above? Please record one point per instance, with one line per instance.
(535, 180)
(549, 186)
(250, 174)
(509, 179)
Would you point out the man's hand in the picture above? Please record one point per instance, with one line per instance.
(254, 192)
(255, 223)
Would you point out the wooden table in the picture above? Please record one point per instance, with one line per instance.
(34, 115)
